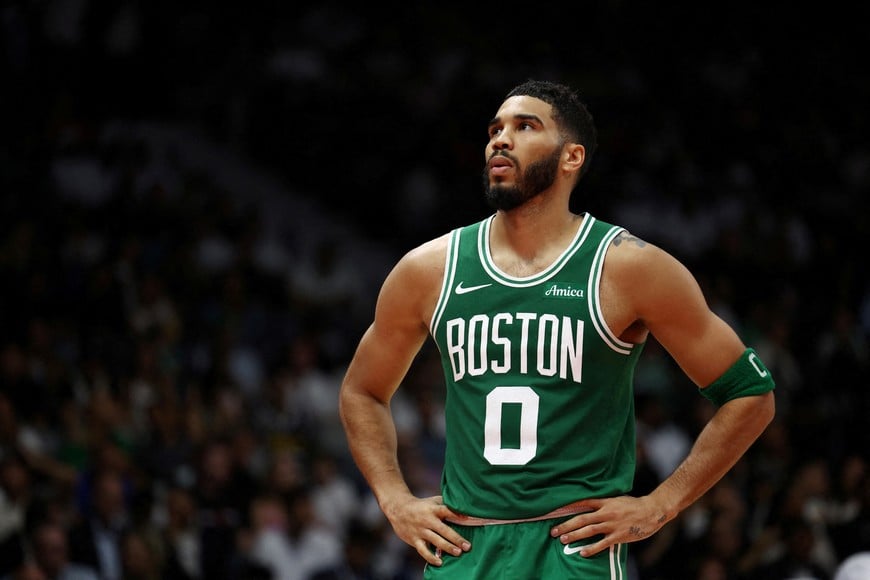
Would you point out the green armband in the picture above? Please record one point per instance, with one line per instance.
(745, 378)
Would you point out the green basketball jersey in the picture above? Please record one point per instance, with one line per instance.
(540, 406)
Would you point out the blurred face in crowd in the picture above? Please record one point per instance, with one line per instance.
(51, 549)
(14, 479)
(29, 571)
(523, 152)
(137, 558)
(109, 499)
(181, 508)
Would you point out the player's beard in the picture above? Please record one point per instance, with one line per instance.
(529, 182)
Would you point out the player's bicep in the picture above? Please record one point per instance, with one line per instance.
(390, 344)
(677, 314)
(380, 362)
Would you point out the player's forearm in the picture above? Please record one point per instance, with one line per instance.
(723, 441)
(371, 436)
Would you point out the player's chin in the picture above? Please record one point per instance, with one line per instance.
(499, 179)
(498, 186)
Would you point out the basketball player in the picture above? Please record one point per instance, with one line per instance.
(540, 316)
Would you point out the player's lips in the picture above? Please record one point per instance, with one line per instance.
(499, 165)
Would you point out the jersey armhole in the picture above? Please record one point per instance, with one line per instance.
(450, 260)
(595, 313)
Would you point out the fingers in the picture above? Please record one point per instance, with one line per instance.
(456, 540)
(430, 535)
(449, 540)
(443, 541)
(614, 520)
(578, 522)
(427, 554)
(585, 526)
(586, 532)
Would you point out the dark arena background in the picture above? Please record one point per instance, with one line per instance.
(199, 201)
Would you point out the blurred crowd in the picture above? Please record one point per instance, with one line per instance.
(185, 269)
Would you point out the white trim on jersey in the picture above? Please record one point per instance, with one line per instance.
(451, 259)
(595, 312)
(554, 268)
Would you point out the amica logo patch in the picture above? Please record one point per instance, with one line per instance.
(565, 291)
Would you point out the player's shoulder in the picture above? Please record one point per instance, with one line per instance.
(415, 281)
(630, 255)
(430, 249)
(640, 266)
(626, 246)
(423, 263)
(429, 253)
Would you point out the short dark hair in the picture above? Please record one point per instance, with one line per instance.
(572, 116)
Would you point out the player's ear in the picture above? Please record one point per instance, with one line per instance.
(573, 157)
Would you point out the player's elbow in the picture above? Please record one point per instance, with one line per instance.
(752, 413)
(770, 405)
(355, 402)
(764, 409)
(346, 396)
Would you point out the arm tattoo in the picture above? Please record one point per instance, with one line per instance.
(624, 236)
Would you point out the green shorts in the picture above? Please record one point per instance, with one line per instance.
(526, 551)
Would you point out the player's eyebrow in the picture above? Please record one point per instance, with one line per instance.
(518, 117)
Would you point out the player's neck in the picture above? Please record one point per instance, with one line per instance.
(526, 240)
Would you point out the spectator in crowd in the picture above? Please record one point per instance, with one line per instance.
(139, 561)
(52, 556)
(15, 498)
(95, 540)
(182, 536)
